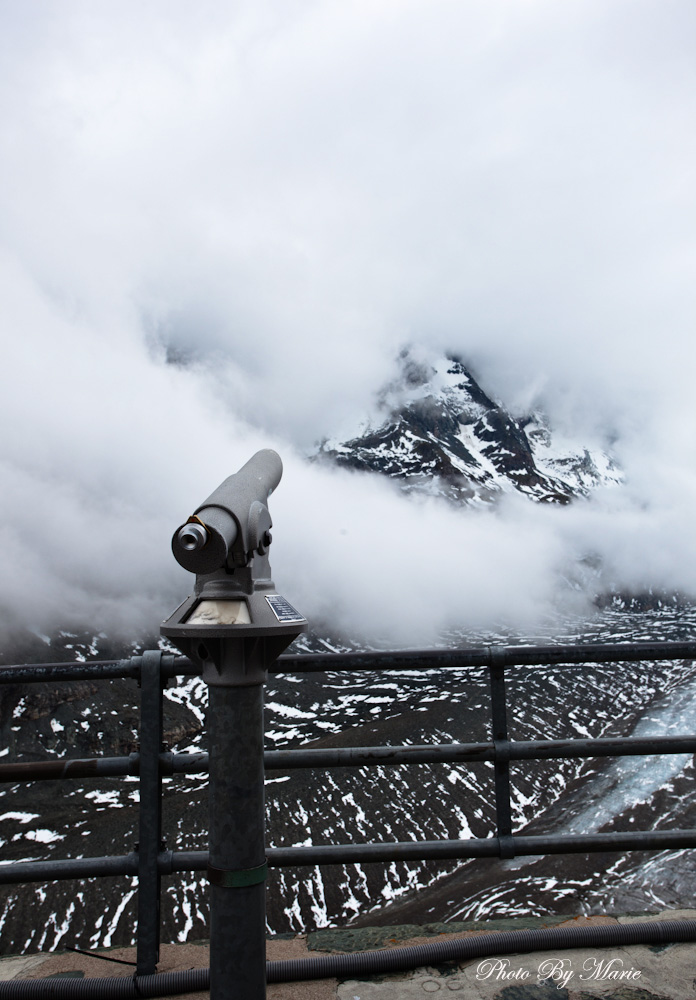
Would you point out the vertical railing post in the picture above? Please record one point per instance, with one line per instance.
(150, 812)
(498, 659)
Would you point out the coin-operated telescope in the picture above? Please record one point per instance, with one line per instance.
(234, 626)
(225, 543)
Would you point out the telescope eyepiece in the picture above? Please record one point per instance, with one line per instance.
(192, 537)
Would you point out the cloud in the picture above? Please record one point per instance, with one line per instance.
(281, 196)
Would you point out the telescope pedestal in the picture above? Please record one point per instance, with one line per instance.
(237, 911)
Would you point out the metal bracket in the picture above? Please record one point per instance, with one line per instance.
(239, 878)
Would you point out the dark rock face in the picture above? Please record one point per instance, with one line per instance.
(508, 448)
(443, 435)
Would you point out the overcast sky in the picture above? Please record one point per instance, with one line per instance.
(284, 194)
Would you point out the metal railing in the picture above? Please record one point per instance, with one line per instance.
(150, 861)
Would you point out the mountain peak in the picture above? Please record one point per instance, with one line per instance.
(442, 435)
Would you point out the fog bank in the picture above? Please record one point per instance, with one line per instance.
(219, 226)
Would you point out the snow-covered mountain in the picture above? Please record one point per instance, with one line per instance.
(443, 435)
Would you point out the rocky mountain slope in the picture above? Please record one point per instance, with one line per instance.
(95, 817)
(443, 435)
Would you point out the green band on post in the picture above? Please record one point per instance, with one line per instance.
(239, 878)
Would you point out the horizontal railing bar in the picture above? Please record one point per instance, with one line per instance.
(483, 656)
(464, 753)
(13, 872)
(424, 659)
(183, 763)
(100, 670)
(490, 847)
(284, 760)
(49, 672)
(169, 862)
(51, 770)
(181, 666)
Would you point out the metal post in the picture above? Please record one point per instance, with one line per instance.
(502, 751)
(150, 813)
(237, 863)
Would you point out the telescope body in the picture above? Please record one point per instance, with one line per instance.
(234, 522)
(225, 543)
